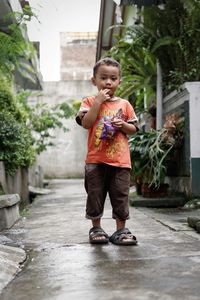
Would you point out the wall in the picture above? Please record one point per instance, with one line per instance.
(186, 101)
(77, 55)
(66, 158)
(16, 184)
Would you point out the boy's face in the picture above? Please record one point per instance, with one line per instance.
(107, 77)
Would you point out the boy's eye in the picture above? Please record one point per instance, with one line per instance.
(105, 78)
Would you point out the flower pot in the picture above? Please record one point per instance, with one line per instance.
(138, 187)
(152, 192)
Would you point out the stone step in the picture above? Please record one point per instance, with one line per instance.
(9, 210)
(157, 202)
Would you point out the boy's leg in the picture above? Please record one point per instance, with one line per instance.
(119, 185)
(96, 223)
(96, 191)
(120, 224)
(96, 194)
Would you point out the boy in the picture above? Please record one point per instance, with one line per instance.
(109, 120)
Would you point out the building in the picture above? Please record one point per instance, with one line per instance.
(66, 158)
(186, 101)
(77, 55)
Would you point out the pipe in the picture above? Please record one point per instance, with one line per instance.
(159, 97)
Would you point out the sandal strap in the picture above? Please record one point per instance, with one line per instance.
(121, 234)
(97, 231)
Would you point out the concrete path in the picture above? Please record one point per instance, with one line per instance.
(61, 264)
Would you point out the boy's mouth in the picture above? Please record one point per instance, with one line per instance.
(109, 90)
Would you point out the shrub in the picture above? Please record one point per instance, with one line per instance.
(16, 148)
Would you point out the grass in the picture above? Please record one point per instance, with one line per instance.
(24, 212)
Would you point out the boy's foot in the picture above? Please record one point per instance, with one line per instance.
(98, 236)
(123, 237)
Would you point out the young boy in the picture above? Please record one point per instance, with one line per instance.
(109, 120)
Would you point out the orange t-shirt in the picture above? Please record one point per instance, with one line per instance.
(105, 143)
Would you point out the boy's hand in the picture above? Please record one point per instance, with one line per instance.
(124, 126)
(103, 96)
(117, 123)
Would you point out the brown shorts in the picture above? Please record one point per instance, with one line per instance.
(101, 179)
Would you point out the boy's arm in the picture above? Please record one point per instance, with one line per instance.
(127, 128)
(91, 116)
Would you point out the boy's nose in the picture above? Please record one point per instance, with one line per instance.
(108, 81)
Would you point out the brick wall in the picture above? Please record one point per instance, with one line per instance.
(78, 51)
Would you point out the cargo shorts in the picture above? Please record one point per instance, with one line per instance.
(103, 179)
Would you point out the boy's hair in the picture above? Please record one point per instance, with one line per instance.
(108, 61)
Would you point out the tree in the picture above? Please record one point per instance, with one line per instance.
(24, 130)
(170, 35)
(16, 50)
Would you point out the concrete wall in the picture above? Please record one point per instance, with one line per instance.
(66, 158)
(16, 184)
(78, 50)
(187, 102)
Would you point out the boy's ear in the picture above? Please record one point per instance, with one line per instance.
(93, 81)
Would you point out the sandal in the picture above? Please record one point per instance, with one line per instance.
(96, 234)
(123, 237)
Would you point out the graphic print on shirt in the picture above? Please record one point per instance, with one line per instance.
(113, 151)
(116, 148)
(106, 132)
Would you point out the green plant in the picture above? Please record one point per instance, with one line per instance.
(171, 36)
(16, 143)
(41, 119)
(24, 213)
(149, 151)
(138, 68)
(16, 51)
(24, 130)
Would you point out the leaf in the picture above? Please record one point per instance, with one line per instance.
(165, 41)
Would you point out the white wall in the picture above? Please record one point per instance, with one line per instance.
(194, 112)
(66, 159)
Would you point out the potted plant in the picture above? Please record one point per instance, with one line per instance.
(149, 151)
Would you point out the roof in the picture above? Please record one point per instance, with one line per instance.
(108, 19)
(106, 32)
(141, 2)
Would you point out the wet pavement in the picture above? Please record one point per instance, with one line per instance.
(61, 264)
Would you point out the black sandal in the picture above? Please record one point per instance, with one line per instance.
(123, 237)
(96, 232)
